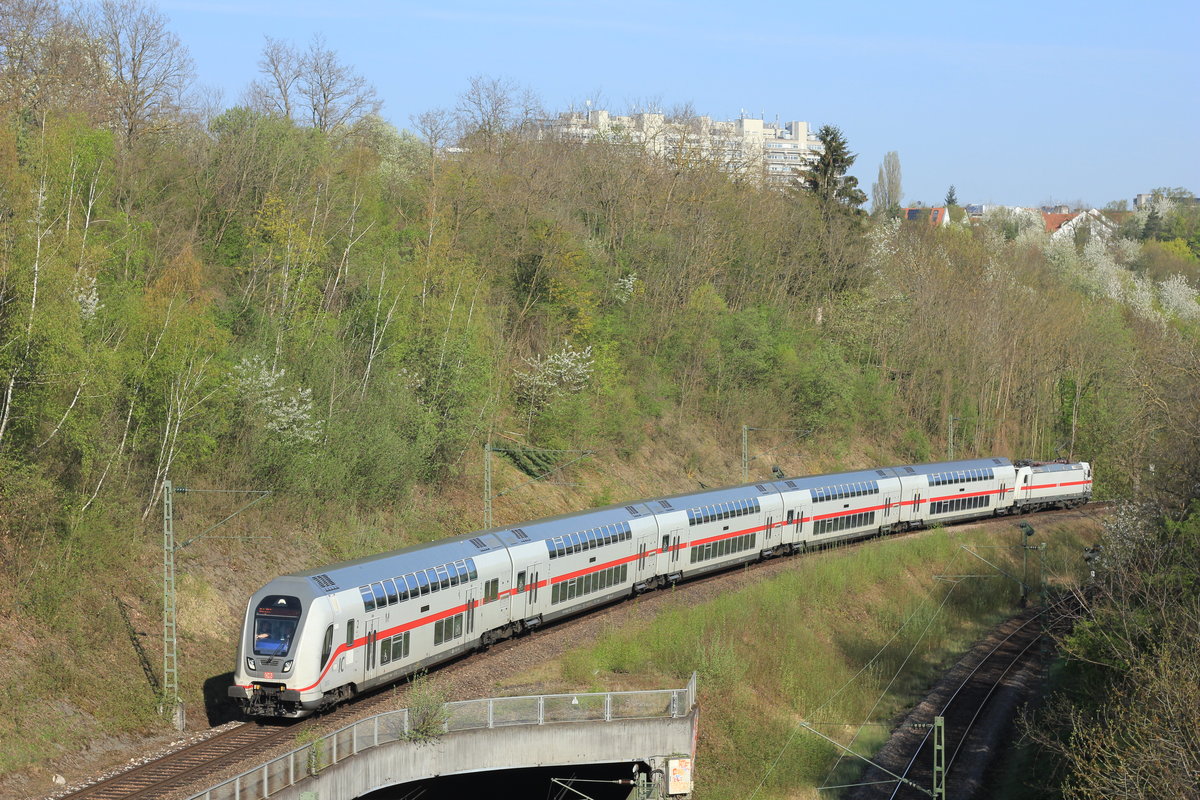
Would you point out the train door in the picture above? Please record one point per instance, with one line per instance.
(795, 524)
(675, 549)
(917, 516)
(469, 614)
(370, 650)
(647, 560)
(525, 591)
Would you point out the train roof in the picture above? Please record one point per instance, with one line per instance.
(823, 480)
(946, 466)
(367, 569)
(1056, 466)
(361, 571)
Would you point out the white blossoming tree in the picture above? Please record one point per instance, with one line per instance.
(566, 372)
(286, 414)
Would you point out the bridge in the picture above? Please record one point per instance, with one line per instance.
(654, 728)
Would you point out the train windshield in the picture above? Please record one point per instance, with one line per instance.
(275, 621)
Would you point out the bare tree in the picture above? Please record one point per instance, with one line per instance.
(314, 87)
(886, 192)
(150, 68)
(282, 68)
(492, 110)
(334, 93)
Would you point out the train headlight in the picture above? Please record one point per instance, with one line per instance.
(287, 666)
(250, 663)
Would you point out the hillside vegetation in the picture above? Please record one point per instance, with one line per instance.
(343, 313)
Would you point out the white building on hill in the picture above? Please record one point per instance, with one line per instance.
(746, 146)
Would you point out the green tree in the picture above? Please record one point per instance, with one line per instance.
(951, 197)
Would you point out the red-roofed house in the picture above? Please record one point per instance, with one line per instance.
(1056, 221)
(1095, 223)
(936, 216)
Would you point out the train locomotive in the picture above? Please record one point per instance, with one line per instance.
(315, 638)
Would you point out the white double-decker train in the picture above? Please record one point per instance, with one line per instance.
(315, 638)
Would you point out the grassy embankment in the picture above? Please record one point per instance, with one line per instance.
(843, 636)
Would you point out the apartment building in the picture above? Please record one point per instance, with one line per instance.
(749, 147)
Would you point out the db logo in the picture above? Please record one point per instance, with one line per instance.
(268, 674)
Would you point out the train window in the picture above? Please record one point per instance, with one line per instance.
(521, 581)
(349, 633)
(385, 652)
(471, 568)
(400, 646)
(402, 585)
(327, 646)
(422, 583)
(389, 587)
(380, 597)
(368, 597)
(491, 590)
(458, 619)
(453, 570)
(463, 575)
(444, 576)
(431, 578)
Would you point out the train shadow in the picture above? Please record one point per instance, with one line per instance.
(218, 707)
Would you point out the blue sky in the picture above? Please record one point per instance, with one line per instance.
(1014, 102)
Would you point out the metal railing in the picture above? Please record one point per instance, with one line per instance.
(309, 759)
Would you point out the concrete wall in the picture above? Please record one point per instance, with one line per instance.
(499, 748)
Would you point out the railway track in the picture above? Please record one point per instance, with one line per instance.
(967, 705)
(223, 753)
(159, 777)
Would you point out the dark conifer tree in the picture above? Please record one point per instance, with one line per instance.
(827, 178)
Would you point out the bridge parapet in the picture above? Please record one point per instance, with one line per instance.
(285, 776)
